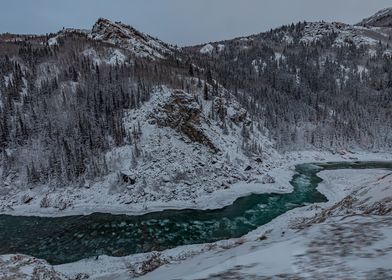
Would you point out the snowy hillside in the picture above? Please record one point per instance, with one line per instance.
(311, 32)
(382, 18)
(181, 151)
(184, 147)
(298, 74)
(345, 34)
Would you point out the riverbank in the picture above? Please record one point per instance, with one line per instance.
(87, 201)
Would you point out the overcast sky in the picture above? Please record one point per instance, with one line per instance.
(182, 22)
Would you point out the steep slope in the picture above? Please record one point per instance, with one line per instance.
(183, 151)
(382, 18)
(127, 37)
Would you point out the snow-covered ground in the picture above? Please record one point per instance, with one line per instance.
(113, 56)
(207, 49)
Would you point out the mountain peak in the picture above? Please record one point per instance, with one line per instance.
(103, 24)
(129, 38)
(382, 18)
(102, 19)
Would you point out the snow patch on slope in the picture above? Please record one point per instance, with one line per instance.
(111, 57)
(207, 49)
(221, 47)
(53, 41)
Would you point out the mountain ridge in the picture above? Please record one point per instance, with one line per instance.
(382, 18)
(128, 37)
(144, 45)
(239, 104)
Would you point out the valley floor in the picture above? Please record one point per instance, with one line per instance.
(348, 237)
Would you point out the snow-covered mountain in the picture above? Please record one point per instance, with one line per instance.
(122, 36)
(345, 34)
(290, 59)
(180, 144)
(166, 126)
(342, 34)
(129, 38)
(382, 18)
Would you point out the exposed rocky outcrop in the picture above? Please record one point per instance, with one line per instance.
(184, 114)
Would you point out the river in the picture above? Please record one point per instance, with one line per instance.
(68, 239)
